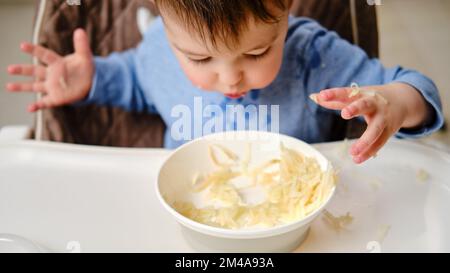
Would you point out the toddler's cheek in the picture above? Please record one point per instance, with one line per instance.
(200, 79)
(262, 78)
(262, 74)
(196, 75)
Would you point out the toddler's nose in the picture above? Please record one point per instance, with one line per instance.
(231, 78)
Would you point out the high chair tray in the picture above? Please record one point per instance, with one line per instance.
(67, 197)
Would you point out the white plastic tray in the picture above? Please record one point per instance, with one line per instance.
(72, 197)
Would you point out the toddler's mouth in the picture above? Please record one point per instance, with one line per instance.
(234, 96)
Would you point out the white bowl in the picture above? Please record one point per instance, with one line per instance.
(175, 178)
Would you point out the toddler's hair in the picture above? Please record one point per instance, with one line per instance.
(222, 20)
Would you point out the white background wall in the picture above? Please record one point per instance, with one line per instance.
(15, 26)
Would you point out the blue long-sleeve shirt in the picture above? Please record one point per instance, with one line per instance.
(149, 78)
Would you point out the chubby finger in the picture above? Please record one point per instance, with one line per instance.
(373, 149)
(334, 98)
(333, 105)
(26, 86)
(362, 106)
(37, 71)
(43, 103)
(45, 55)
(342, 94)
(81, 42)
(373, 131)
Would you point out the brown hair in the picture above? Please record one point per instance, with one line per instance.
(221, 20)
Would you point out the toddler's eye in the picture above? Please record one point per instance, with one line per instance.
(200, 61)
(258, 56)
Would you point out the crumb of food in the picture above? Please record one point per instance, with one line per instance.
(342, 148)
(230, 157)
(355, 90)
(344, 187)
(313, 97)
(375, 184)
(382, 232)
(422, 175)
(337, 223)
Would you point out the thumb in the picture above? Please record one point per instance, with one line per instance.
(81, 42)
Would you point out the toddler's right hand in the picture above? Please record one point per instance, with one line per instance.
(62, 80)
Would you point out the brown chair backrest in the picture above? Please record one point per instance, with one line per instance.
(336, 15)
(111, 26)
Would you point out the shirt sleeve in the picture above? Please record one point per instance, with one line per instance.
(116, 82)
(329, 61)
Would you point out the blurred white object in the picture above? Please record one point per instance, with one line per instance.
(36, 32)
(17, 132)
(10, 243)
(144, 19)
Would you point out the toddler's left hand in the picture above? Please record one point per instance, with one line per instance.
(383, 113)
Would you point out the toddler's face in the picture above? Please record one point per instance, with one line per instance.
(253, 64)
